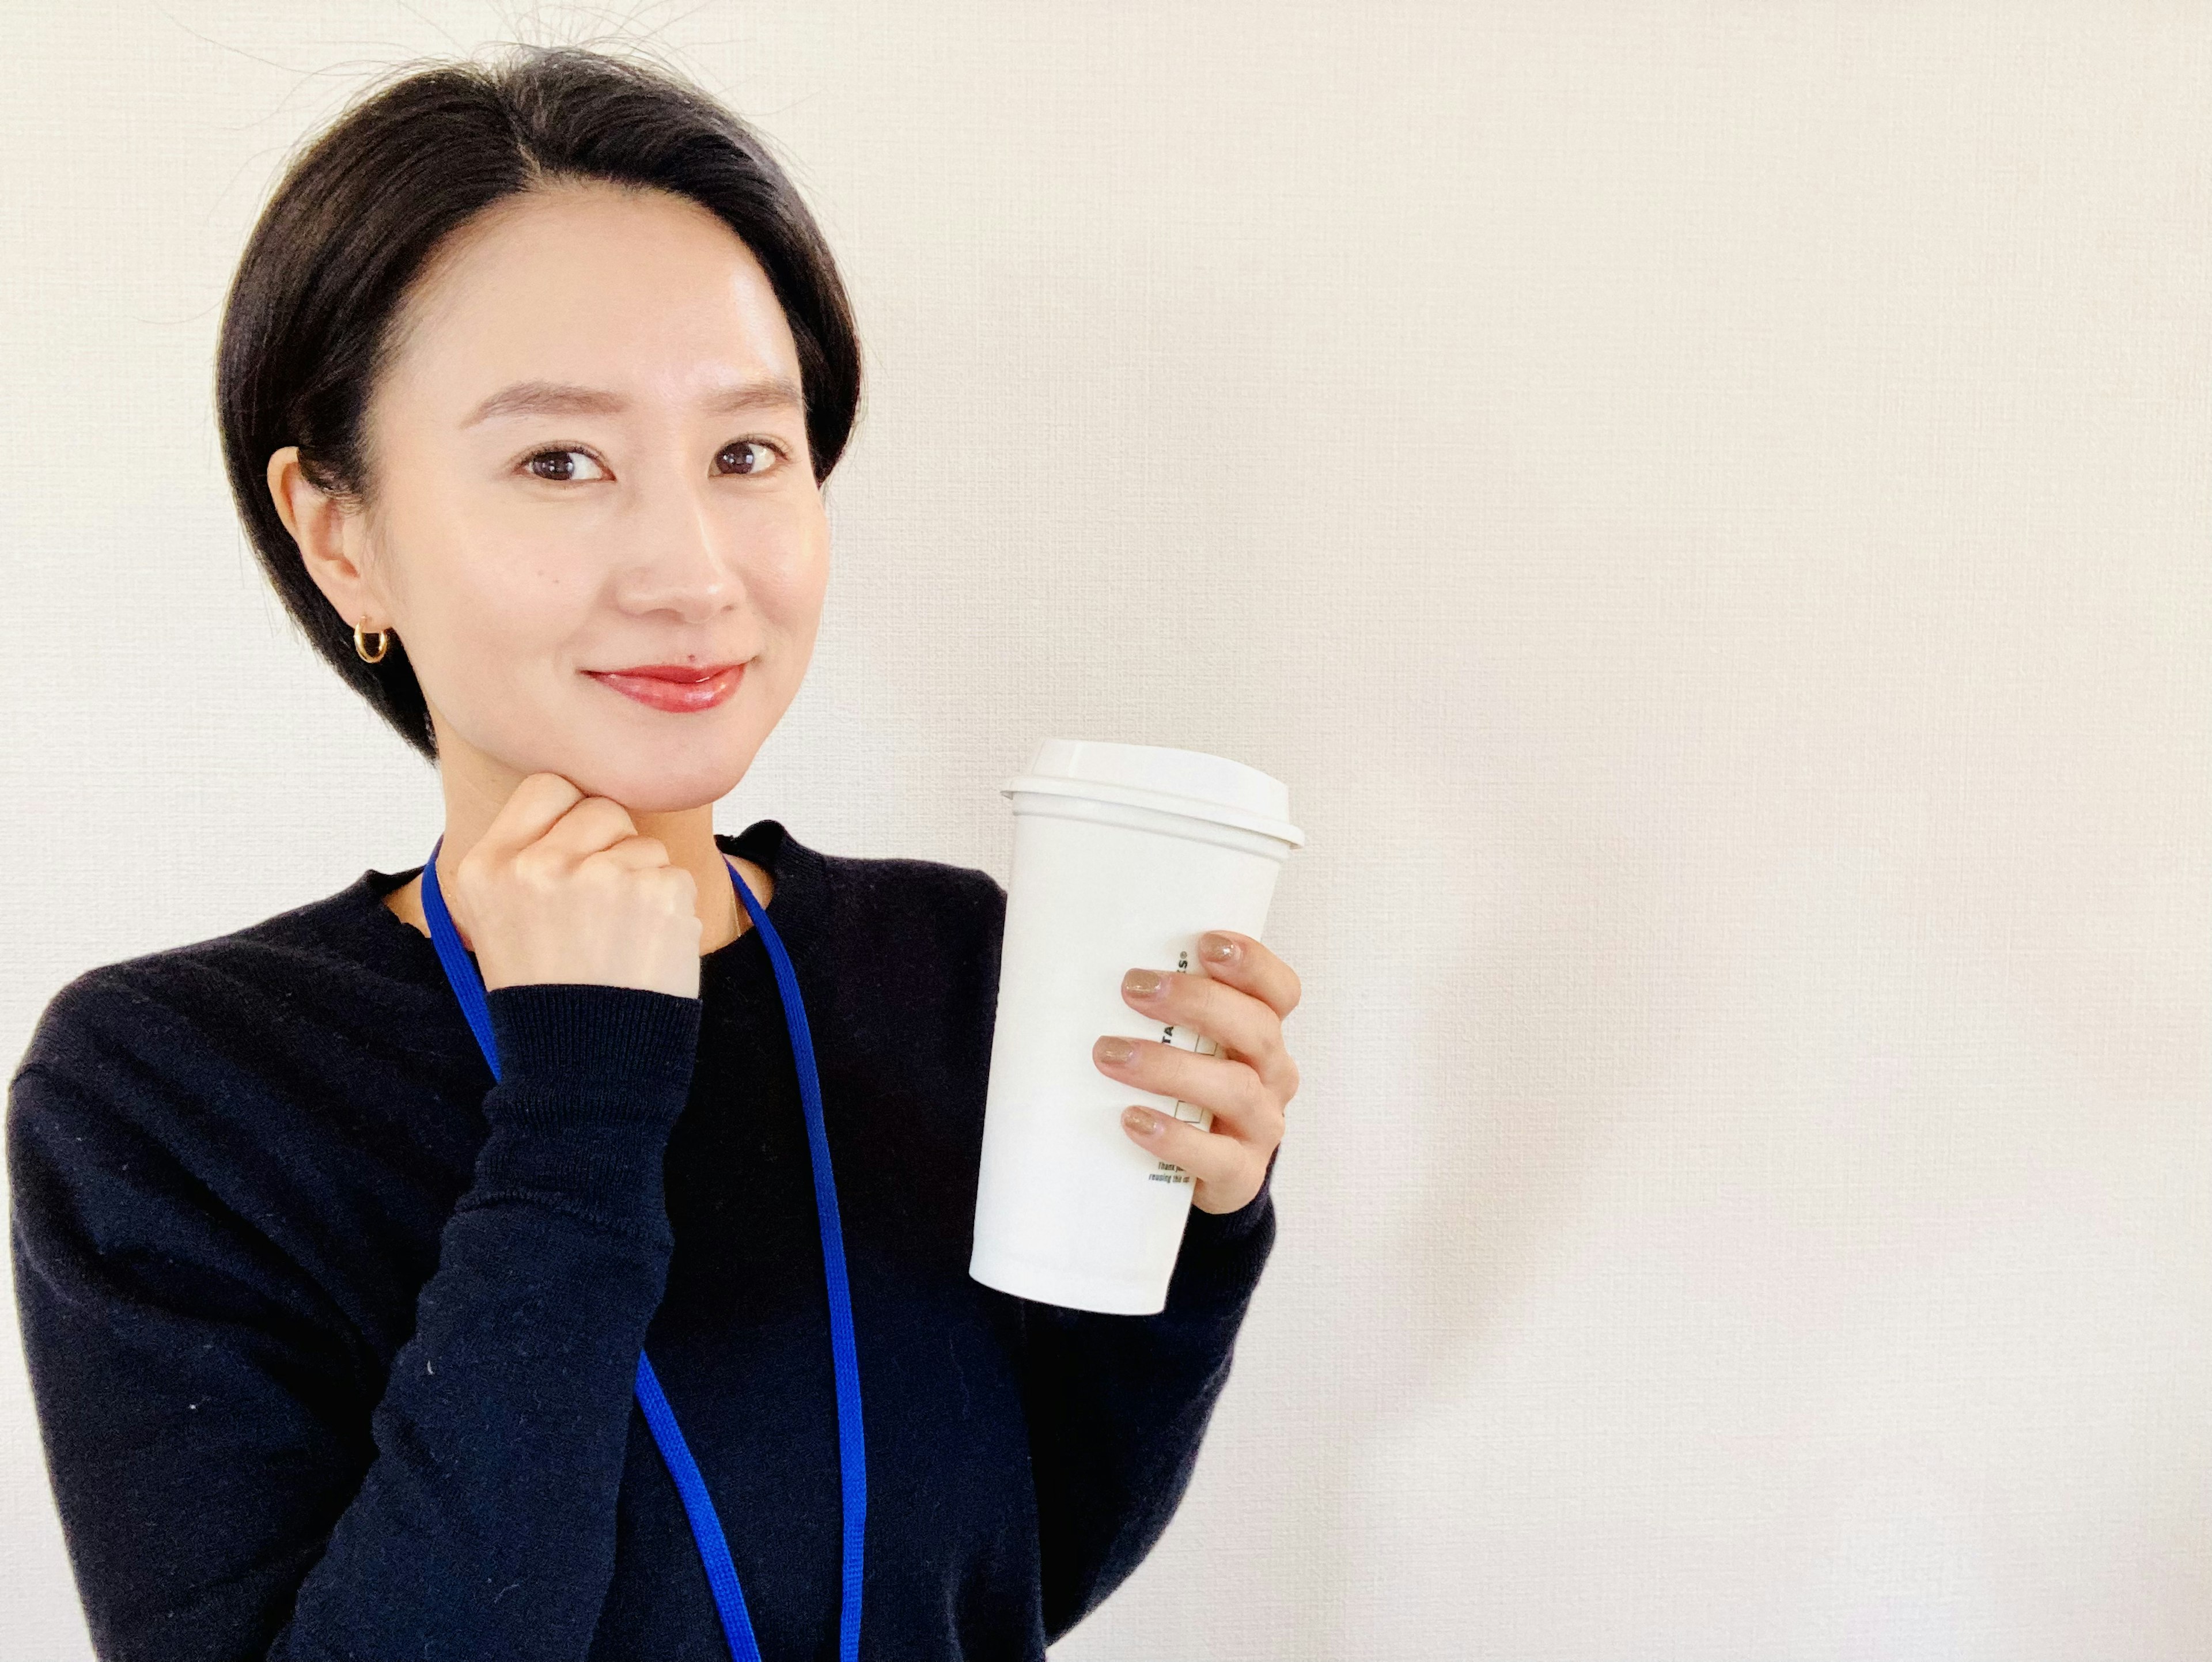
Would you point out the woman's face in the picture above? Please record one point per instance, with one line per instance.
(588, 455)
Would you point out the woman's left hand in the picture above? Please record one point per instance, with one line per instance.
(1239, 1002)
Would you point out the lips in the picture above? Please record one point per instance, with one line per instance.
(679, 688)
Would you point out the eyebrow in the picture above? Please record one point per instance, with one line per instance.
(553, 397)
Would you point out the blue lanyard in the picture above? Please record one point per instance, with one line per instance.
(851, 1450)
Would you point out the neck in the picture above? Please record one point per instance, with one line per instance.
(475, 794)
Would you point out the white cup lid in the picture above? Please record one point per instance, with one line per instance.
(1186, 782)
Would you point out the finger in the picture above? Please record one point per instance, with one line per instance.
(636, 854)
(591, 825)
(644, 866)
(1208, 1156)
(1236, 1096)
(1249, 964)
(1237, 1020)
(531, 810)
(634, 851)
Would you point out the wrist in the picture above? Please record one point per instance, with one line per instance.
(572, 1050)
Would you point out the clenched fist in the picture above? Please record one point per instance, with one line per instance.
(562, 887)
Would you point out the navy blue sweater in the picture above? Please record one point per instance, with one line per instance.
(333, 1338)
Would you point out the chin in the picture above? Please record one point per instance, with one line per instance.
(662, 790)
(688, 775)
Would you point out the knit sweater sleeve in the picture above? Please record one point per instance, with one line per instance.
(1118, 1405)
(1118, 1409)
(217, 1500)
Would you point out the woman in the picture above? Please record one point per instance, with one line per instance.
(530, 378)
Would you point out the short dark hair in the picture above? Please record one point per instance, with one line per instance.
(307, 325)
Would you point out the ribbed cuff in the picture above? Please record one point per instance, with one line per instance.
(571, 1050)
(1223, 1252)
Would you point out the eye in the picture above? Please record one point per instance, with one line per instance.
(755, 456)
(560, 470)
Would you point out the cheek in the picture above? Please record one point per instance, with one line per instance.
(495, 620)
(788, 571)
(516, 609)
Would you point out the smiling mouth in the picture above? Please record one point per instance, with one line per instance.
(680, 689)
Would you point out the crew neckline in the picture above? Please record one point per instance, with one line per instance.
(793, 905)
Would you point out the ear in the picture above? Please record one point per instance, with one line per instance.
(332, 539)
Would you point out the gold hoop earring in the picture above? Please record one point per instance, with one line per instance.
(361, 646)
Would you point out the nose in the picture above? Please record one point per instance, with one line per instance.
(678, 559)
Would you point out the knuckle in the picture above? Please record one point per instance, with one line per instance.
(1258, 1098)
(534, 867)
(551, 790)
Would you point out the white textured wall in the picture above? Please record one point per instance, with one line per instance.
(1707, 505)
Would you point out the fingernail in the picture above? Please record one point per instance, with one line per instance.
(1110, 1049)
(1143, 1121)
(1217, 948)
(1141, 983)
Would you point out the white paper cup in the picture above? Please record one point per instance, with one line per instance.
(1124, 854)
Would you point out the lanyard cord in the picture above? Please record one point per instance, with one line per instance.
(660, 1417)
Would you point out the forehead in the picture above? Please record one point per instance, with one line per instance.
(593, 285)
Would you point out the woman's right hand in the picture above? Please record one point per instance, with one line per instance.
(562, 887)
